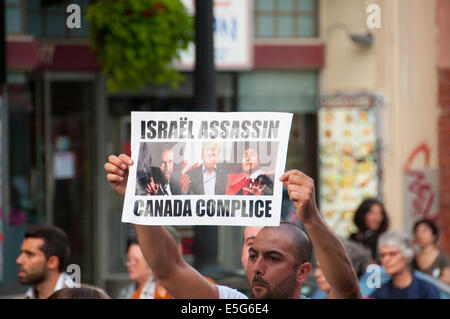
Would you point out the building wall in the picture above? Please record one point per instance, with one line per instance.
(443, 63)
(401, 67)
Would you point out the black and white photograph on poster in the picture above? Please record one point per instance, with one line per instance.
(206, 168)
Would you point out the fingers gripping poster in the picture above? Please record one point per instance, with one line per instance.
(206, 168)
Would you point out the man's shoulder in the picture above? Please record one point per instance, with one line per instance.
(196, 171)
(222, 168)
(230, 293)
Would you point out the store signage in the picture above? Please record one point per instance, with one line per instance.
(232, 36)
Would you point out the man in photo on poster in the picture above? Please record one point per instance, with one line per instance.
(210, 178)
(157, 178)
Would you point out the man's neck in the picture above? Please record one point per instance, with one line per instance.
(44, 289)
(402, 279)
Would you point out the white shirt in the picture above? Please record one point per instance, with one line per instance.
(148, 292)
(230, 293)
(209, 181)
(64, 281)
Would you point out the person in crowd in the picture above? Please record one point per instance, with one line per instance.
(251, 180)
(396, 253)
(429, 259)
(42, 261)
(360, 258)
(144, 285)
(371, 220)
(250, 233)
(279, 258)
(160, 180)
(210, 178)
(83, 292)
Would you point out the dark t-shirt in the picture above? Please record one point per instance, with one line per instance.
(418, 289)
(437, 267)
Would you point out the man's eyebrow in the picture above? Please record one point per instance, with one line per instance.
(273, 252)
(252, 250)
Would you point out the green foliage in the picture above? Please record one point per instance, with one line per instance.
(137, 40)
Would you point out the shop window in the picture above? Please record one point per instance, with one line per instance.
(14, 16)
(285, 18)
(47, 19)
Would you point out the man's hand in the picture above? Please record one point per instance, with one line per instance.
(255, 188)
(185, 181)
(117, 168)
(152, 188)
(301, 192)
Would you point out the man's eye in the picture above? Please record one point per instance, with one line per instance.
(274, 259)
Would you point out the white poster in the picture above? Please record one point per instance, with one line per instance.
(64, 165)
(206, 168)
(232, 36)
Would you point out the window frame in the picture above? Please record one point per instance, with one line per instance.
(22, 7)
(276, 13)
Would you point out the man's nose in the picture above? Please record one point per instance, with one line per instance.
(19, 260)
(258, 267)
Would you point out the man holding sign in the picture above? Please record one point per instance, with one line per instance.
(279, 259)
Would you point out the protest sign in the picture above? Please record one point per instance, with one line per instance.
(205, 168)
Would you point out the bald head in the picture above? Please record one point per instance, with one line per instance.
(301, 247)
(279, 262)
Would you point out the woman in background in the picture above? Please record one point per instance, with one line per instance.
(429, 259)
(371, 220)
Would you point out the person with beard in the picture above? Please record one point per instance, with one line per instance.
(251, 180)
(279, 259)
(43, 258)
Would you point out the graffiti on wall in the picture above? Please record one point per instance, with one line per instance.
(420, 186)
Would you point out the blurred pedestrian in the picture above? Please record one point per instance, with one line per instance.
(42, 261)
(250, 233)
(396, 254)
(429, 259)
(360, 258)
(371, 220)
(144, 285)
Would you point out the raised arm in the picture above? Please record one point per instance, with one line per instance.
(159, 247)
(330, 251)
(177, 276)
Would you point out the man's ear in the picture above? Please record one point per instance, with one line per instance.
(303, 272)
(53, 263)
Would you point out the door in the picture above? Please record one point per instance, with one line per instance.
(69, 109)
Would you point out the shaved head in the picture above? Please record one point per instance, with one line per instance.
(279, 262)
(301, 248)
